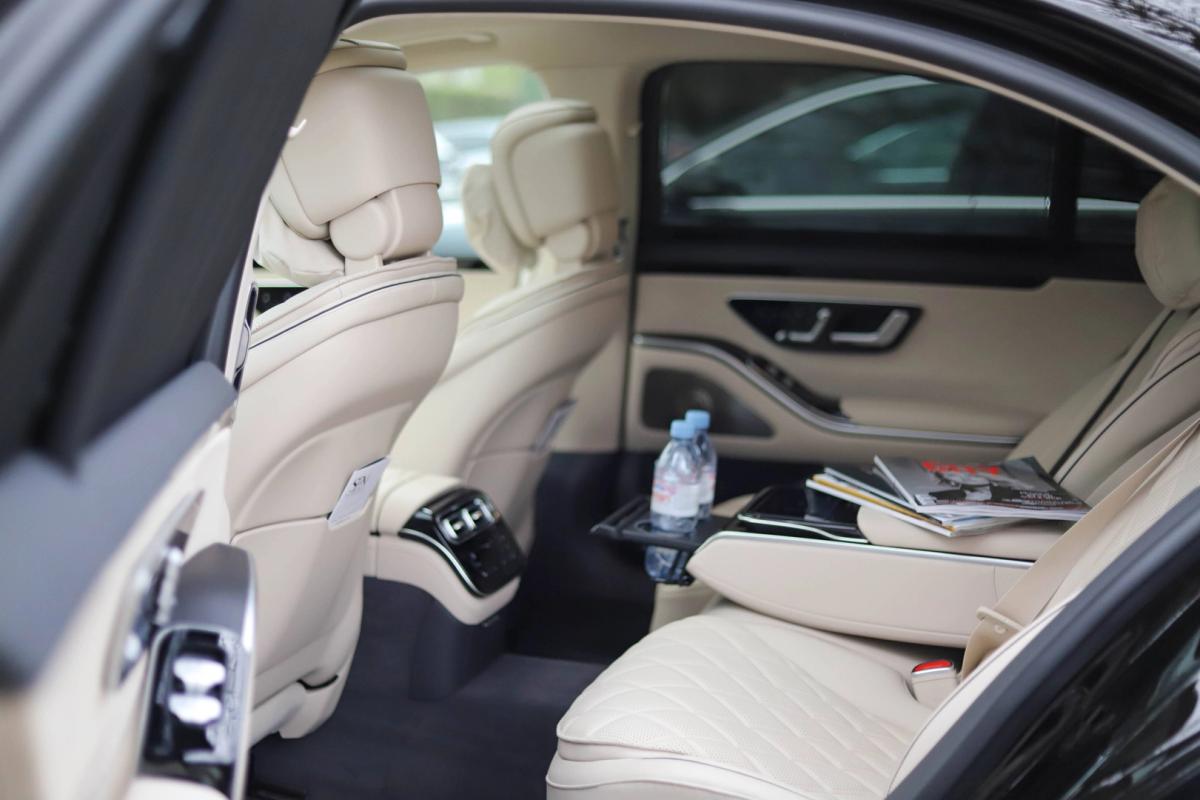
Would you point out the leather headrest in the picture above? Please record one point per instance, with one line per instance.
(486, 228)
(1168, 244)
(555, 178)
(362, 53)
(356, 184)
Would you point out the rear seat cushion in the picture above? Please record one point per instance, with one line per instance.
(751, 703)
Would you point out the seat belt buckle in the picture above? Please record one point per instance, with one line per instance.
(931, 682)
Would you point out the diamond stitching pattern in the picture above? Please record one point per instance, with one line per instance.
(719, 692)
(723, 692)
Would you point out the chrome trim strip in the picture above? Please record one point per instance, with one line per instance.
(875, 548)
(441, 548)
(833, 300)
(914, 203)
(884, 336)
(814, 416)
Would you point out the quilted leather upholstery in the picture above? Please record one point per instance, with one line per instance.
(734, 704)
(765, 699)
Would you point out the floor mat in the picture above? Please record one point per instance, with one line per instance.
(582, 597)
(494, 738)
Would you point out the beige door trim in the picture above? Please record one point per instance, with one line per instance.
(833, 423)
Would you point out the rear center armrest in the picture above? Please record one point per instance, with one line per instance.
(897, 594)
(1025, 541)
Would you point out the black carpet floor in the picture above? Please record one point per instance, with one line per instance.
(493, 738)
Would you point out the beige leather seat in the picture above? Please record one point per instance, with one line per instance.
(736, 703)
(333, 373)
(1153, 387)
(731, 703)
(1134, 401)
(545, 214)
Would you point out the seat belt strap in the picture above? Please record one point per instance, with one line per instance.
(1021, 604)
(1112, 387)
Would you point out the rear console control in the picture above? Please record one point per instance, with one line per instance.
(465, 527)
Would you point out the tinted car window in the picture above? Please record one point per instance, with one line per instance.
(806, 147)
(839, 149)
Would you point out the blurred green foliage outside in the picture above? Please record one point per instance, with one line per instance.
(490, 91)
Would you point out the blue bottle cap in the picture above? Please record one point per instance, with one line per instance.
(681, 429)
(700, 419)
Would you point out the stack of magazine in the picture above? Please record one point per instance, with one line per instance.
(953, 499)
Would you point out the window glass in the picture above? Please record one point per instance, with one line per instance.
(467, 104)
(830, 148)
(1111, 184)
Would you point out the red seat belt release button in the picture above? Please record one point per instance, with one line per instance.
(931, 682)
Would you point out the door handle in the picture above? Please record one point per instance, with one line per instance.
(884, 336)
(809, 336)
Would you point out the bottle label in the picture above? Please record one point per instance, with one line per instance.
(674, 499)
(708, 485)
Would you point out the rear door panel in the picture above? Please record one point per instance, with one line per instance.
(75, 730)
(842, 262)
(985, 363)
(135, 153)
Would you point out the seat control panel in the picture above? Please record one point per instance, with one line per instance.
(465, 527)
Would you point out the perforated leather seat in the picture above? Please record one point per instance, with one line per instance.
(545, 214)
(332, 374)
(740, 692)
(731, 703)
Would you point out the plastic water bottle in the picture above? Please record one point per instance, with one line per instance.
(708, 459)
(675, 501)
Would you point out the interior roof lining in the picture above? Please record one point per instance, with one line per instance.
(377, 26)
(436, 40)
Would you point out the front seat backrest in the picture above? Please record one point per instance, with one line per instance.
(333, 373)
(550, 198)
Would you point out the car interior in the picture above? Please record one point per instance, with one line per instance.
(497, 254)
